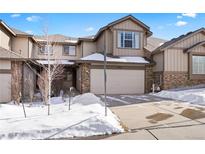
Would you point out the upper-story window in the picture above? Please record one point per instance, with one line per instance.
(128, 39)
(46, 48)
(198, 64)
(70, 50)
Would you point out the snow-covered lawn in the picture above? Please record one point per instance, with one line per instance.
(191, 95)
(86, 118)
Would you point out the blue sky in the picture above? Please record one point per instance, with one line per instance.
(163, 25)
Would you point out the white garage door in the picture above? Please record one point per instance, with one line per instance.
(118, 81)
(5, 87)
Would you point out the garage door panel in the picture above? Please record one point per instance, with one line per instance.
(118, 81)
(5, 87)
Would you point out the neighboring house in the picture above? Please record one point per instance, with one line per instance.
(135, 60)
(181, 61)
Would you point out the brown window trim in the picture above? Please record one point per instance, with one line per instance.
(67, 54)
(126, 30)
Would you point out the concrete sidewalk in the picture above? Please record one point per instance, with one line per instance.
(164, 119)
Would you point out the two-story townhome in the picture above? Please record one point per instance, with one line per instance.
(134, 59)
(126, 42)
(128, 62)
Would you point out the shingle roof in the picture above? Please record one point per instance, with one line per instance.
(174, 40)
(153, 43)
(56, 38)
(19, 32)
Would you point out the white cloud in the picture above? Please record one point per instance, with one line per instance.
(15, 15)
(89, 29)
(192, 15)
(179, 17)
(29, 31)
(181, 23)
(33, 18)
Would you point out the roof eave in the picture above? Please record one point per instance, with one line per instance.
(8, 28)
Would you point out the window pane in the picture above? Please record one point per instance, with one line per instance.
(127, 39)
(69, 50)
(44, 49)
(198, 64)
(72, 50)
(66, 49)
(128, 35)
(128, 43)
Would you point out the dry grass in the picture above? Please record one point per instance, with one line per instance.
(193, 114)
(158, 117)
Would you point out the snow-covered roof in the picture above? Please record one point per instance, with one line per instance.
(64, 62)
(125, 59)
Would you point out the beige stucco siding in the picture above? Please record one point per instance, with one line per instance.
(30, 47)
(175, 60)
(100, 43)
(20, 46)
(159, 59)
(58, 53)
(5, 39)
(5, 64)
(109, 41)
(88, 48)
(186, 43)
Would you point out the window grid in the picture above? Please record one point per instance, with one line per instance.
(198, 64)
(128, 39)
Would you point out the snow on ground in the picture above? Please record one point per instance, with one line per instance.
(192, 95)
(100, 57)
(86, 118)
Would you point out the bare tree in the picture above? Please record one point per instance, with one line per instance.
(51, 71)
(56, 73)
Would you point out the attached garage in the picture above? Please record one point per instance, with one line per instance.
(5, 81)
(119, 81)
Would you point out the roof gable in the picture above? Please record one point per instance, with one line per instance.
(129, 17)
(202, 43)
(174, 41)
(7, 28)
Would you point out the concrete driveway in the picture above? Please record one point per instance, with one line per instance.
(149, 117)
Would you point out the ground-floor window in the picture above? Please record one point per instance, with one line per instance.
(198, 64)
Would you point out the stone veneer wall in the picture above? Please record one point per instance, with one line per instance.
(179, 79)
(16, 79)
(85, 78)
(148, 78)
